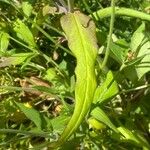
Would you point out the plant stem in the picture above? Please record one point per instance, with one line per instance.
(106, 12)
(31, 49)
(37, 51)
(51, 39)
(47, 23)
(70, 5)
(90, 12)
(110, 33)
(13, 131)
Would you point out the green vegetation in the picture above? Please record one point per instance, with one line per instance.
(75, 74)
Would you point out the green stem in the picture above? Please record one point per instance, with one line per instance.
(110, 33)
(47, 23)
(20, 43)
(37, 51)
(106, 12)
(70, 5)
(12, 88)
(87, 7)
(51, 39)
(13, 131)
(134, 89)
(90, 12)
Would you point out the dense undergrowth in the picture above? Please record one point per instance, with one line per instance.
(59, 56)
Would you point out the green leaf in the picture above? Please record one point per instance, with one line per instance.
(100, 115)
(140, 44)
(107, 90)
(128, 134)
(15, 59)
(24, 33)
(101, 36)
(45, 89)
(81, 35)
(95, 124)
(31, 114)
(133, 136)
(58, 123)
(49, 10)
(4, 41)
(27, 8)
(117, 52)
(50, 74)
(130, 73)
(137, 38)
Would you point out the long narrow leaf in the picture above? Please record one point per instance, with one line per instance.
(80, 32)
(32, 114)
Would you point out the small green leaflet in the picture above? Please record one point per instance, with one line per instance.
(107, 90)
(15, 59)
(4, 41)
(24, 33)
